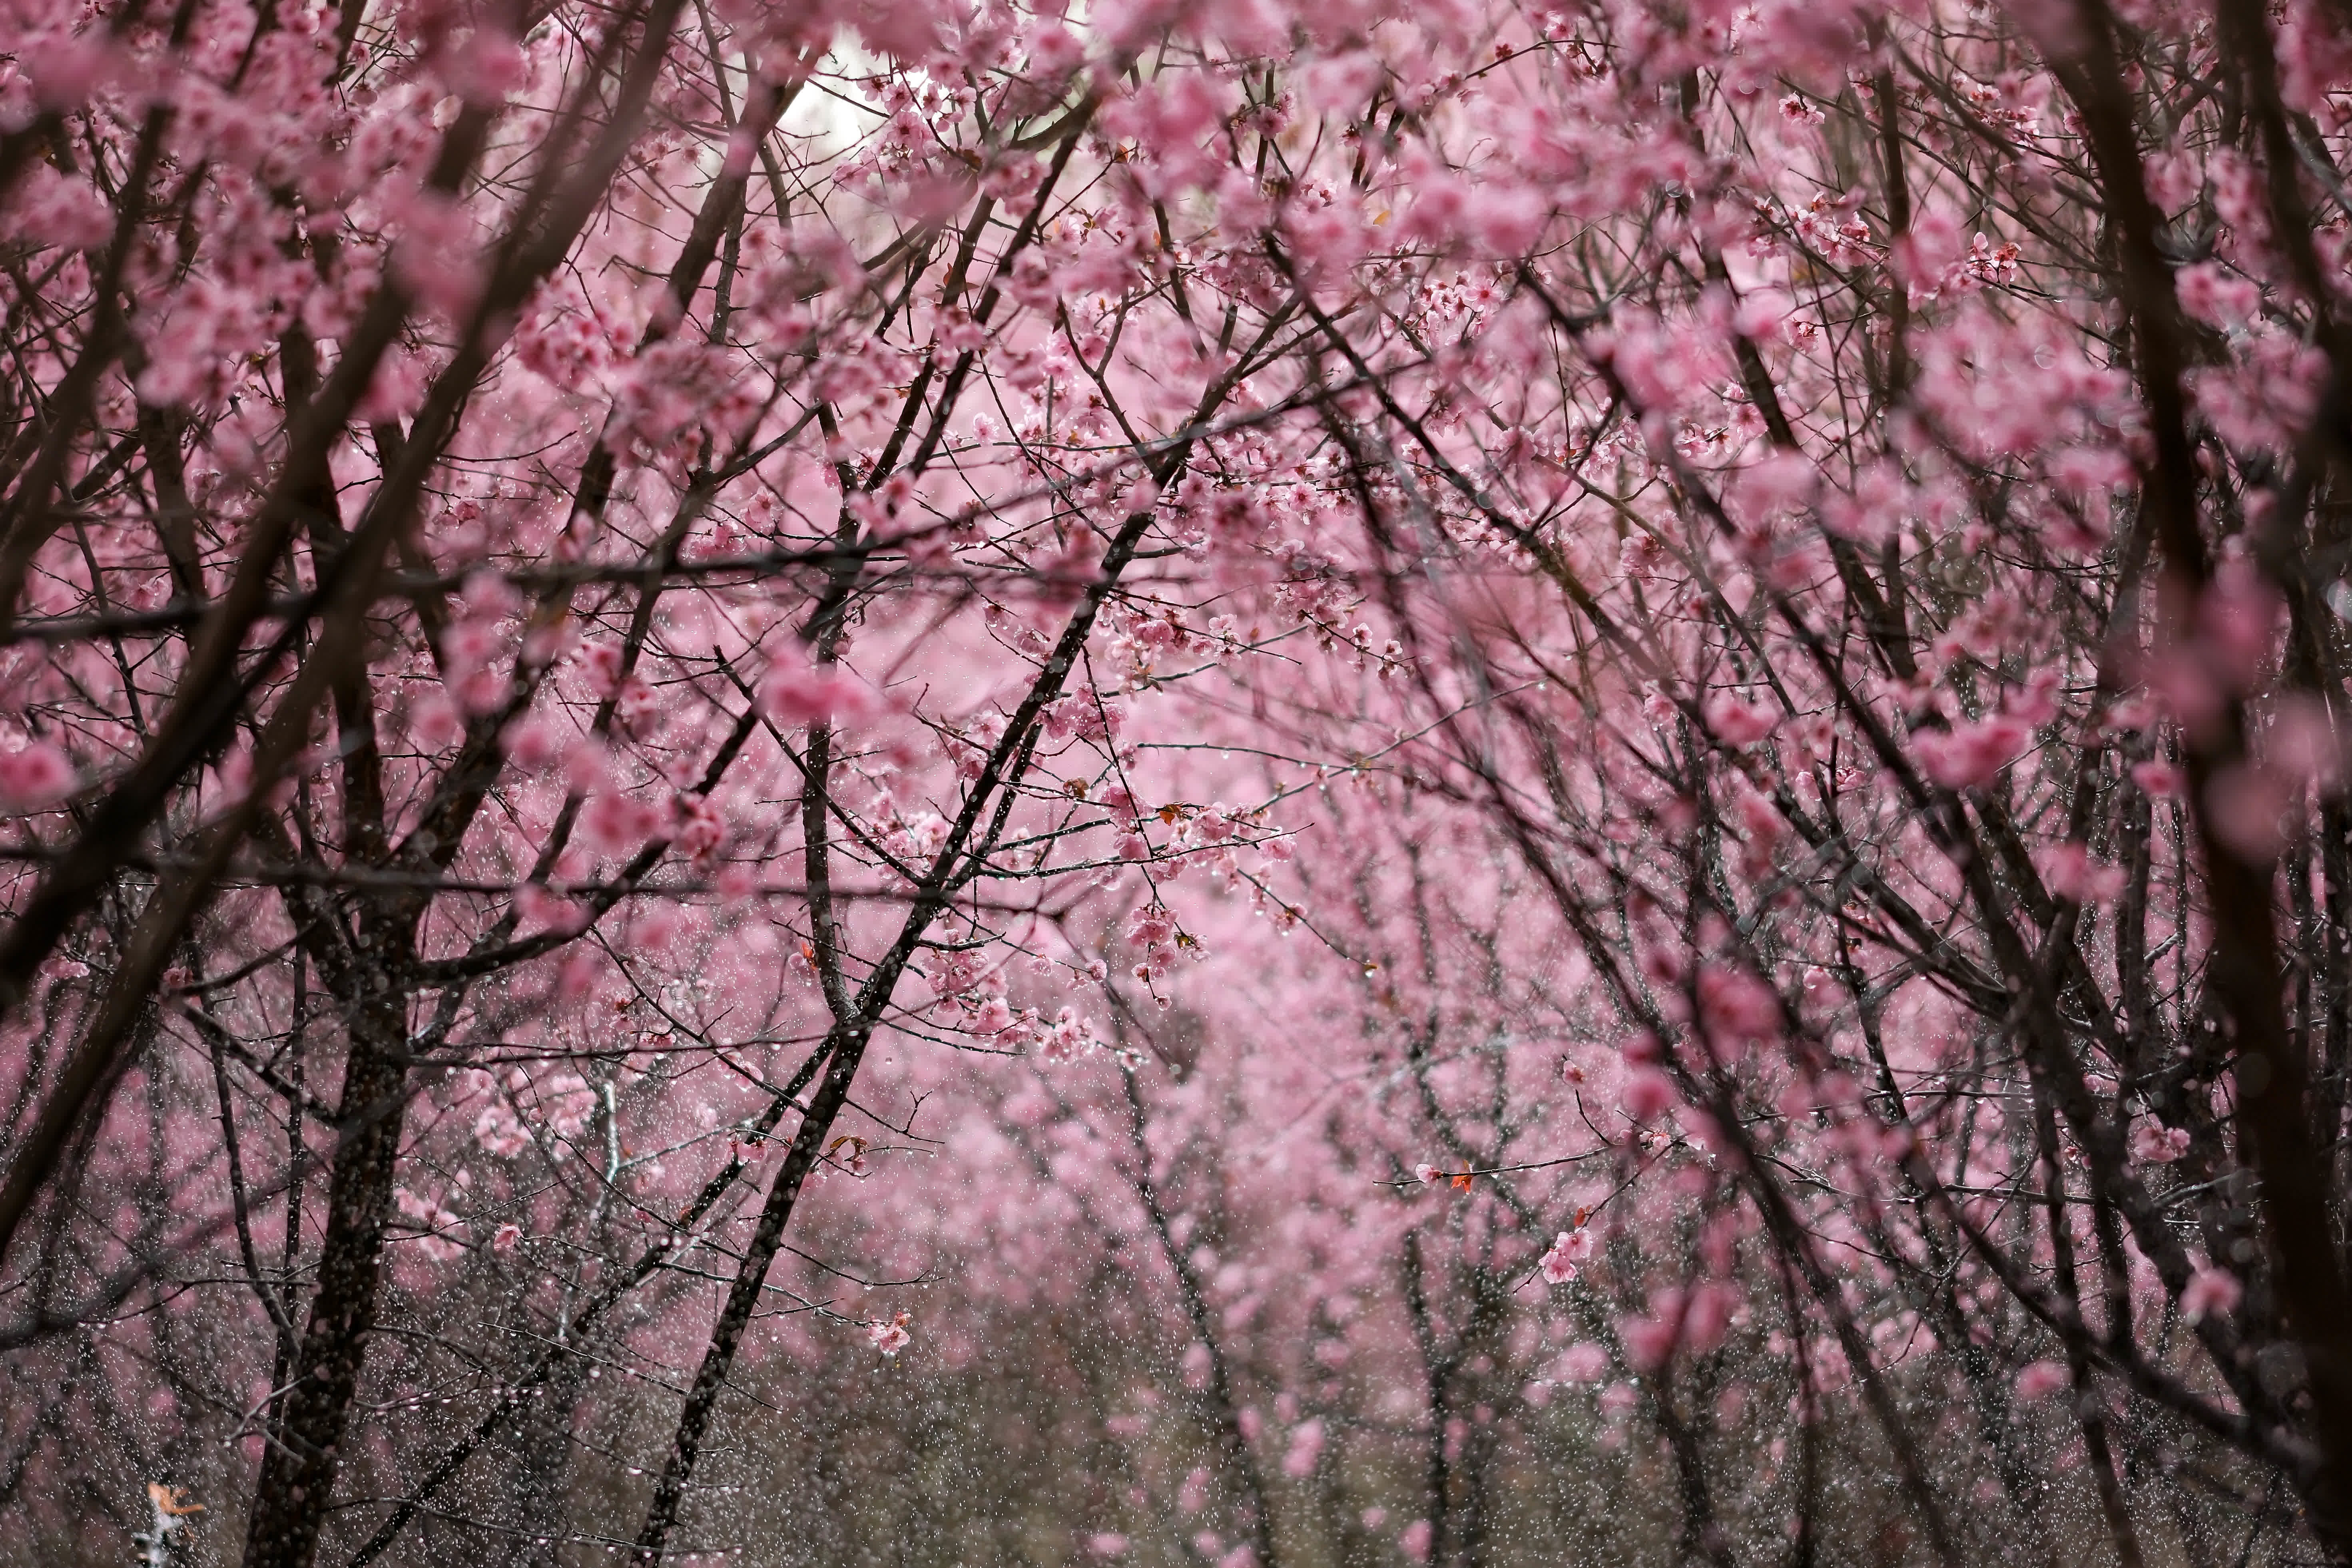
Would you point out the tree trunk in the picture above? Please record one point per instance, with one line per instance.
(299, 1467)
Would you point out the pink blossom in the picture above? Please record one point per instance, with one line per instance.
(890, 1338)
(499, 1131)
(2035, 703)
(1306, 1450)
(1706, 1317)
(2157, 1144)
(2210, 1291)
(1697, 1319)
(2041, 1379)
(1648, 1094)
(541, 909)
(1797, 111)
(1649, 1341)
(2158, 781)
(2303, 743)
(2183, 682)
(1971, 754)
(701, 829)
(616, 825)
(2071, 872)
(1739, 722)
(438, 255)
(54, 208)
(2216, 298)
(1583, 1361)
(797, 693)
(533, 743)
(1415, 1538)
(1737, 1007)
(1988, 263)
(1569, 1249)
(34, 778)
(1758, 818)
(567, 1102)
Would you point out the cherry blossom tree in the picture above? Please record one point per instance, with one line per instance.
(1482, 753)
(511, 418)
(1910, 666)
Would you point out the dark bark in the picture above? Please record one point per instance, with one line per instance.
(299, 1468)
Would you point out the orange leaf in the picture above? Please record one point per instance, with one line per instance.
(171, 1501)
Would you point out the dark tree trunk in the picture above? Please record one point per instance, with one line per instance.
(299, 1467)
